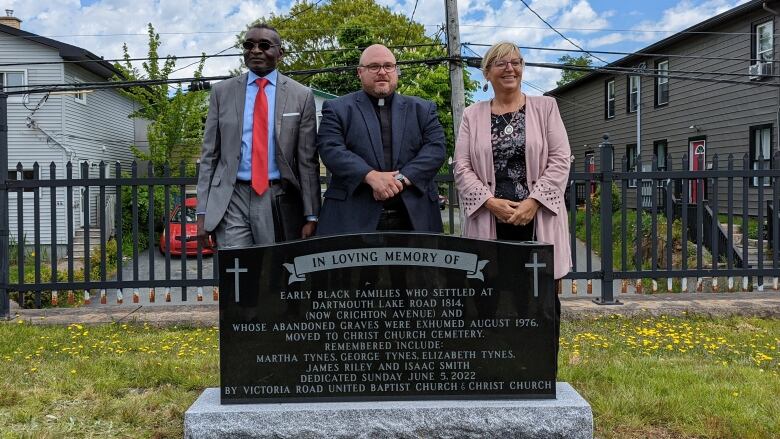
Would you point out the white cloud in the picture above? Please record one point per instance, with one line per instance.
(187, 27)
(681, 16)
(582, 16)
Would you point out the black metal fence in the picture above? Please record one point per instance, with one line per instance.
(655, 226)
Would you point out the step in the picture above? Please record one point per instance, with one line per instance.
(736, 228)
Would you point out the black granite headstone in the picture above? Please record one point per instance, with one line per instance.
(387, 316)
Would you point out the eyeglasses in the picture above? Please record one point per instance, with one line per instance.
(501, 65)
(374, 68)
(263, 45)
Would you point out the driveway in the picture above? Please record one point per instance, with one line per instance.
(160, 271)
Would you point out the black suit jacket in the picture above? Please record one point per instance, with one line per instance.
(350, 144)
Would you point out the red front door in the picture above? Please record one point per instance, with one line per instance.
(698, 150)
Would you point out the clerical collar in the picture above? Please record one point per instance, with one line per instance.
(378, 102)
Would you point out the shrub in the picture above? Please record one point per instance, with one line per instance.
(158, 212)
(78, 276)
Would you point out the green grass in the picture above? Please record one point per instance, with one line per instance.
(102, 381)
(656, 377)
(676, 377)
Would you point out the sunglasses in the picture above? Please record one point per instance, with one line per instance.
(263, 45)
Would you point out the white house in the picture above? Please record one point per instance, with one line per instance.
(60, 127)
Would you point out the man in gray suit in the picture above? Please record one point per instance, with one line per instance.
(259, 171)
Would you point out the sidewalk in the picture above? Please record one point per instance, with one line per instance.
(766, 304)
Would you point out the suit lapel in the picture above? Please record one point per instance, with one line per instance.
(372, 126)
(239, 96)
(398, 120)
(280, 101)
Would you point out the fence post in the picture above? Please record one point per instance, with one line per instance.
(607, 280)
(5, 304)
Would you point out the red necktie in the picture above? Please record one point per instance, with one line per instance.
(260, 139)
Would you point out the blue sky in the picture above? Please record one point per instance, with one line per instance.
(189, 27)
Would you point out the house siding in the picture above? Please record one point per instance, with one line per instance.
(722, 112)
(63, 130)
(27, 145)
(99, 130)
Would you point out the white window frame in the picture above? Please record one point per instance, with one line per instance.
(662, 79)
(12, 194)
(610, 99)
(16, 98)
(769, 51)
(80, 96)
(757, 145)
(629, 158)
(633, 93)
(661, 158)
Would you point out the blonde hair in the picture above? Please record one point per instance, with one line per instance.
(499, 50)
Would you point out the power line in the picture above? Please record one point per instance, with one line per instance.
(475, 25)
(658, 55)
(44, 88)
(586, 29)
(607, 69)
(411, 21)
(559, 33)
(215, 55)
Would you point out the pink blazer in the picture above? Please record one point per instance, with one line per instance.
(547, 161)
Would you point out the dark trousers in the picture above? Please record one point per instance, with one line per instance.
(394, 219)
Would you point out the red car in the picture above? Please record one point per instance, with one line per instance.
(191, 234)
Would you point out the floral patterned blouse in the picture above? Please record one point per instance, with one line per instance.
(509, 155)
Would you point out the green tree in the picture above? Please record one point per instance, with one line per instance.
(569, 75)
(334, 34)
(176, 118)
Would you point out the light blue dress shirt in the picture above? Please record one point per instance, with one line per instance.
(245, 164)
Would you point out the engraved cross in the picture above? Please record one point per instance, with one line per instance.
(236, 272)
(535, 265)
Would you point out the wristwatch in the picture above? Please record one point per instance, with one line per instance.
(400, 177)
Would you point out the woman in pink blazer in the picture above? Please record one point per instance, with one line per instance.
(511, 167)
(512, 161)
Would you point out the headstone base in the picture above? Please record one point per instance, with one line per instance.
(567, 416)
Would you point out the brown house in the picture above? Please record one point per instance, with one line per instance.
(668, 109)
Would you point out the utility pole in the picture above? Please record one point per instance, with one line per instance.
(5, 303)
(458, 95)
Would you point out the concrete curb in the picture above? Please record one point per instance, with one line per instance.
(766, 304)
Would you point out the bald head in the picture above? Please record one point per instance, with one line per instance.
(375, 51)
(378, 72)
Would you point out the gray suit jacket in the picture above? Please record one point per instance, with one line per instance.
(296, 153)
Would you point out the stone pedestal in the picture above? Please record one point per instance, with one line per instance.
(567, 416)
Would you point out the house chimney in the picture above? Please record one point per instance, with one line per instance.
(10, 20)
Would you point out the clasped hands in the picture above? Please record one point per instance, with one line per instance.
(517, 213)
(384, 184)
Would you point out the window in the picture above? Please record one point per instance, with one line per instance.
(761, 151)
(660, 151)
(609, 104)
(80, 96)
(763, 43)
(631, 161)
(662, 83)
(27, 174)
(633, 93)
(11, 80)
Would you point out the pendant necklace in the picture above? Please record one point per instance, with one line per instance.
(508, 129)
